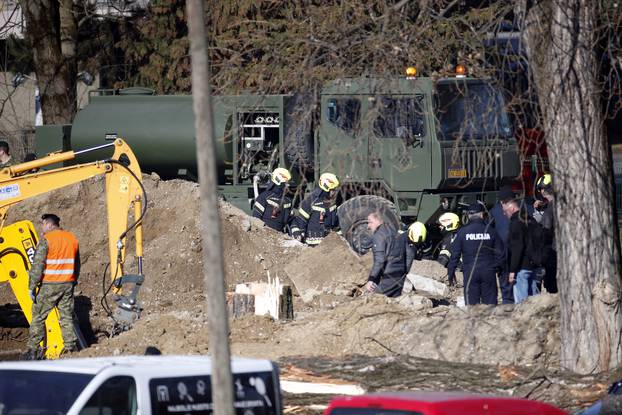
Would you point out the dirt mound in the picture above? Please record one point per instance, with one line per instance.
(331, 321)
(331, 267)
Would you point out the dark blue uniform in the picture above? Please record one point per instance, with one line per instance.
(273, 207)
(482, 255)
(317, 216)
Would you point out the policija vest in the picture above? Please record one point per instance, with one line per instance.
(59, 264)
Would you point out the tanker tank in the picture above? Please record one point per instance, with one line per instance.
(160, 130)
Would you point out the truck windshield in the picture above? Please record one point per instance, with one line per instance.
(28, 392)
(471, 110)
(400, 117)
(371, 411)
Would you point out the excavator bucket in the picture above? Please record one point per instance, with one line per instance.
(17, 250)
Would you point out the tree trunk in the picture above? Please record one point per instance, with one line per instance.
(56, 72)
(213, 266)
(561, 39)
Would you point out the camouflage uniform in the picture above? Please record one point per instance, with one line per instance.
(9, 162)
(50, 295)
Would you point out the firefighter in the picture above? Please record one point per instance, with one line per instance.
(51, 281)
(544, 215)
(449, 223)
(482, 256)
(273, 206)
(418, 246)
(317, 214)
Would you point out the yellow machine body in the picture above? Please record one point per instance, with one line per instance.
(124, 196)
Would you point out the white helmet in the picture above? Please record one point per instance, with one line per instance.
(281, 175)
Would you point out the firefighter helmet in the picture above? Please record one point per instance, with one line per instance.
(281, 175)
(545, 182)
(328, 182)
(449, 221)
(417, 232)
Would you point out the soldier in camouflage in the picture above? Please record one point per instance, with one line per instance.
(5, 156)
(52, 278)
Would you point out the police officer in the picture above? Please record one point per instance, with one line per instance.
(273, 206)
(51, 281)
(482, 255)
(449, 223)
(317, 214)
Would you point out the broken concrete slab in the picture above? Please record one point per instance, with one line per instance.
(429, 285)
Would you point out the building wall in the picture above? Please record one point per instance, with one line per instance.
(17, 112)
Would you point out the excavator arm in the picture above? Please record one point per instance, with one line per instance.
(125, 195)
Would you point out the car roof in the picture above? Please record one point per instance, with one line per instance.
(148, 365)
(418, 401)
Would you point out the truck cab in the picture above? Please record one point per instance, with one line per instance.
(418, 142)
(129, 385)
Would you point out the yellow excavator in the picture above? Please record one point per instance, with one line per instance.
(125, 195)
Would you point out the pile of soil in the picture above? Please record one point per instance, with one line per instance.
(331, 318)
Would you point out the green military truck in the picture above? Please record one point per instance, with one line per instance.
(410, 147)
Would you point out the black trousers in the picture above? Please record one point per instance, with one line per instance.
(391, 285)
(550, 278)
(480, 286)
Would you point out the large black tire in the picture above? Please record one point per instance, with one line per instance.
(353, 219)
(298, 133)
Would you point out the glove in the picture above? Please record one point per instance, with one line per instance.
(33, 295)
(452, 280)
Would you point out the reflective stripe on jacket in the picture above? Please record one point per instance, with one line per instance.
(60, 262)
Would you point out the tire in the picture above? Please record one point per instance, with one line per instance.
(353, 219)
(298, 133)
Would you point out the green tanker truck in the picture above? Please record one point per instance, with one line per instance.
(410, 147)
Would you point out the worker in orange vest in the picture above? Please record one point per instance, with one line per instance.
(52, 278)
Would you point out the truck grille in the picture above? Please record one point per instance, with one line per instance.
(478, 163)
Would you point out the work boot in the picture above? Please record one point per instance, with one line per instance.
(31, 354)
(69, 348)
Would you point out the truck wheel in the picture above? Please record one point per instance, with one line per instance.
(298, 133)
(353, 219)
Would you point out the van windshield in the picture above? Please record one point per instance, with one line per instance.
(471, 111)
(28, 392)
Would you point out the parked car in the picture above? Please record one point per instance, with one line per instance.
(437, 403)
(131, 385)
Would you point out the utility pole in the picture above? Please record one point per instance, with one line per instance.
(218, 322)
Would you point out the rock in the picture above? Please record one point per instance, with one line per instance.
(245, 224)
(421, 283)
(414, 302)
(289, 243)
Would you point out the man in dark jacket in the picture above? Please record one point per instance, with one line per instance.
(519, 265)
(502, 227)
(317, 214)
(482, 255)
(389, 252)
(273, 206)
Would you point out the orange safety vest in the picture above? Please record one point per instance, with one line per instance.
(59, 264)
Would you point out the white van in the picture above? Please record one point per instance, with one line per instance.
(133, 385)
